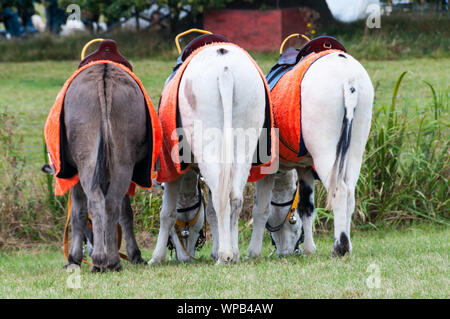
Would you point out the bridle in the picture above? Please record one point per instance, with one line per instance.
(182, 227)
(289, 217)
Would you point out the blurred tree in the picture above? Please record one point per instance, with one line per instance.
(318, 5)
(4, 4)
(194, 8)
(112, 10)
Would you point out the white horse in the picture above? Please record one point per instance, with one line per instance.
(221, 90)
(336, 111)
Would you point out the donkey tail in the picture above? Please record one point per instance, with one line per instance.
(226, 84)
(101, 175)
(337, 174)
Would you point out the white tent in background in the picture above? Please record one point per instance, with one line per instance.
(350, 10)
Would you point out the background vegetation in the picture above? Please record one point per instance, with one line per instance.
(398, 38)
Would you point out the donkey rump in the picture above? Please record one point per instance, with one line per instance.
(66, 175)
(171, 169)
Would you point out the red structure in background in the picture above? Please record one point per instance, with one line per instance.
(259, 30)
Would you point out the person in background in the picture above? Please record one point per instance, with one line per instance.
(56, 17)
(26, 11)
(10, 18)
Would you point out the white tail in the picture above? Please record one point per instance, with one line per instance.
(225, 81)
(337, 174)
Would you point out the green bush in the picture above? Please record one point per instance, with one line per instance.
(398, 38)
(25, 216)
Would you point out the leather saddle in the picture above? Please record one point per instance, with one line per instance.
(194, 45)
(106, 51)
(291, 56)
(199, 42)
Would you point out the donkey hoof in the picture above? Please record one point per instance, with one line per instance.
(70, 264)
(138, 261)
(115, 267)
(225, 258)
(99, 260)
(214, 256)
(72, 261)
(96, 269)
(309, 250)
(154, 262)
(341, 246)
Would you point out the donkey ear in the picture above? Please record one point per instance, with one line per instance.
(47, 169)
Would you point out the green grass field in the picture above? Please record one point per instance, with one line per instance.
(413, 262)
(405, 263)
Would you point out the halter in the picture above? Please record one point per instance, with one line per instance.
(182, 228)
(294, 204)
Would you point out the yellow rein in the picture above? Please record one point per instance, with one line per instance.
(294, 205)
(292, 209)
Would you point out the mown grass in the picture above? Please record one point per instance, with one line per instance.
(412, 262)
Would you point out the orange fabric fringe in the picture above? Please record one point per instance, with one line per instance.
(286, 98)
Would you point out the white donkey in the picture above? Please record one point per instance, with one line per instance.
(336, 111)
(221, 89)
(187, 235)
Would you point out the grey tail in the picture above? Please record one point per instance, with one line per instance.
(101, 175)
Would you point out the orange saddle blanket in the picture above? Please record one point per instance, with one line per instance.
(286, 98)
(171, 169)
(66, 176)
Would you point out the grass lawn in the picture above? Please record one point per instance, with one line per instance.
(411, 263)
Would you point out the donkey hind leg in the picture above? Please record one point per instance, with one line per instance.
(306, 207)
(240, 173)
(105, 212)
(223, 213)
(126, 223)
(79, 217)
(211, 218)
(354, 163)
(167, 219)
(113, 209)
(260, 214)
(324, 164)
(96, 207)
(236, 202)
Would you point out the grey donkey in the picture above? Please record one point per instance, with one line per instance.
(106, 129)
